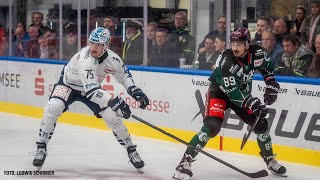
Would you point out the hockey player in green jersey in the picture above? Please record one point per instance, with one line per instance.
(231, 84)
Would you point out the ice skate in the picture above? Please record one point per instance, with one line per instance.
(40, 156)
(183, 170)
(135, 158)
(274, 166)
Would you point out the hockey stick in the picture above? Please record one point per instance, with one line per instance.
(246, 137)
(262, 173)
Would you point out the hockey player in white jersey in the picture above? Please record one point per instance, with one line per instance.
(80, 81)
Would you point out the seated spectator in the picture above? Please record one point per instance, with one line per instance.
(314, 70)
(263, 24)
(280, 30)
(271, 47)
(20, 39)
(221, 30)
(214, 46)
(52, 38)
(32, 47)
(182, 39)
(132, 52)
(3, 47)
(45, 51)
(295, 59)
(300, 16)
(116, 40)
(163, 53)
(70, 44)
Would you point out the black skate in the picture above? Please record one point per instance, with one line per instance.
(135, 158)
(40, 156)
(183, 170)
(273, 165)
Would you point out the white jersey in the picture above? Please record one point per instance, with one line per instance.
(84, 73)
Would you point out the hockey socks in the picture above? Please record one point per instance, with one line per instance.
(199, 140)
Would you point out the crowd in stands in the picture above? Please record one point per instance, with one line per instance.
(294, 48)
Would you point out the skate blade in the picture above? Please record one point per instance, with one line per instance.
(180, 176)
(280, 175)
(140, 170)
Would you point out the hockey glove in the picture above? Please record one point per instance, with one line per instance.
(256, 106)
(119, 106)
(272, 89)
(138, 95)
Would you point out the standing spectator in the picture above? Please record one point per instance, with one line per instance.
(311, 25)
(163, 53)
(314, 70)
(221, 29)
(295, 59)
(32, 47)
(300, 16)
(70, 45)
(214, 46)
(132, 52)
(263, 23)
(151, 34)
(37, 18)
(181, 37)
(271, 47)
(116, 41)
(280, 30)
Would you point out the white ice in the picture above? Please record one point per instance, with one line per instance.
(77, 153)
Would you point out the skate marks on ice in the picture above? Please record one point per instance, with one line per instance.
(82, 153)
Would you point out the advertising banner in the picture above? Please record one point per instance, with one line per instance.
(176, 101)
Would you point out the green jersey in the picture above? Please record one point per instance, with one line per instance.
(234, 75)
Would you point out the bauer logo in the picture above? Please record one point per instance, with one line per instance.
(200, 83)
(303, 92)
(39, 84)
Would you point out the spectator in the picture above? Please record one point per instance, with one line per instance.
(3, 47)
(20, 39)
(151, 34)
(32, 47)
(70, 45)
(263, 23)
(295, 59)
(280, 30)
(116, 41)
(314, 70)
(163, 53)
(37, 18)
(182, 39)
(311, 25)
(52, 39)
(22, 32)
(271, 47)
(214, 46)
(45, 51)
(132, 52)
(222, 26)
(300, 16)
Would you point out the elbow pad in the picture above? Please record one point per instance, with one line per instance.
(99, 96)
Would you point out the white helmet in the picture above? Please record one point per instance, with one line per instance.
(100, 35)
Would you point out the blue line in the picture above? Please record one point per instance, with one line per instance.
(287, 79)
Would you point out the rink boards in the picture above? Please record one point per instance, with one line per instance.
(294, 119)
